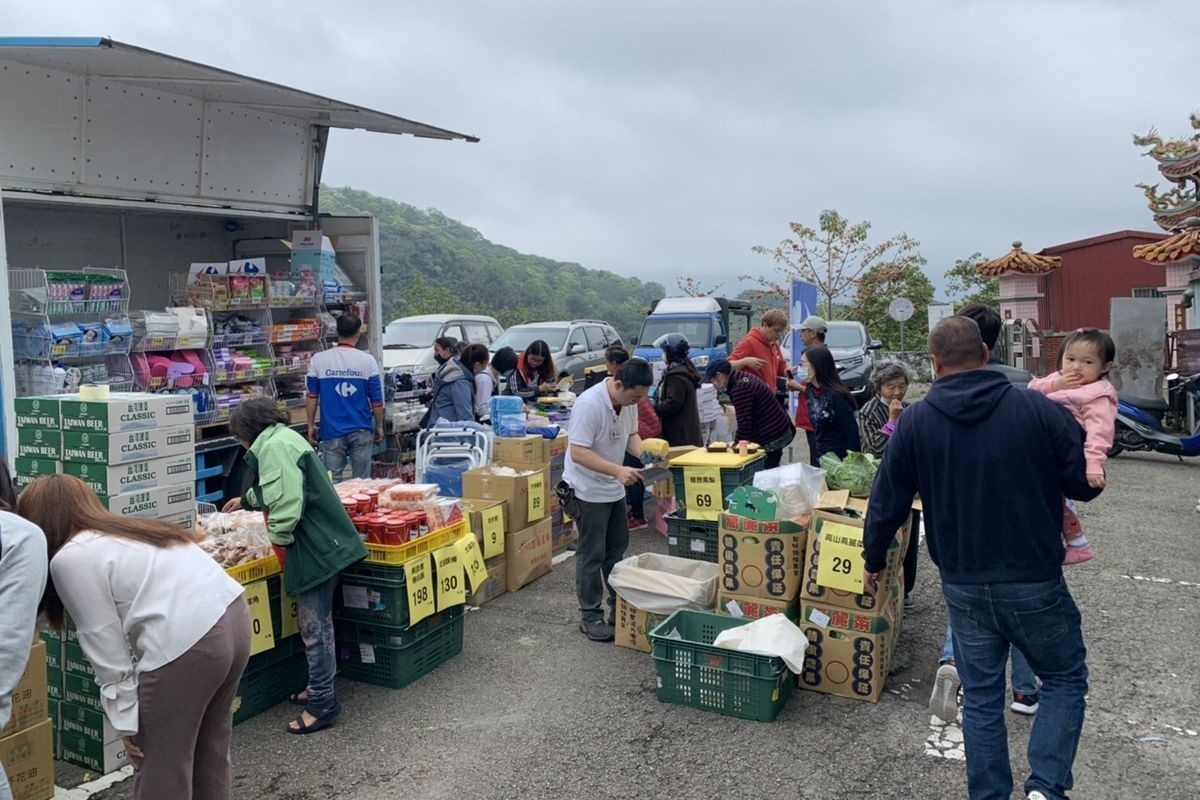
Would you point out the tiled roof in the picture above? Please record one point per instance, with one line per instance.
(1181, 245)
(1018, 260)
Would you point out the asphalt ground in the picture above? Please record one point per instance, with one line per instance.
(532, 709)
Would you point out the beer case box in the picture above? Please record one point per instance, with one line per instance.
(812, 590)
(483, 483)
(127, 447)
(496, 585)
(634, 626)
(108, 481)
(750, 607)
(184, 519)
(123, 412)
(81, 690)
(849, 652)
(100, 757)
(28, 470)
(39, 443)
(52, 707)
(165, 501)
(38, 412)
(75, 662)
(760, 555)
(54, 683)
(29, 697)
(527, 554)
(86, 722)
(27, 758)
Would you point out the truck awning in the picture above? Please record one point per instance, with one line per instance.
(103, 58)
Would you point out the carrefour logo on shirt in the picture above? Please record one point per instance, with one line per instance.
(346, 389)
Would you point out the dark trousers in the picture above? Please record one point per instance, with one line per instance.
(812, 448)
(603, 537)
(635, 496)
(910, 555)
(773, 459)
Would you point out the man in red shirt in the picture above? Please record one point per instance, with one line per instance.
(759, 353)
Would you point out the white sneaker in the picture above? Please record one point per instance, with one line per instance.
(1035, 795)
(944, 700)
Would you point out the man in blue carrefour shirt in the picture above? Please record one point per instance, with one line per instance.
(344, 381)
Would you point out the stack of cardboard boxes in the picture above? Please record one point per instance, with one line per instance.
(136, 451)
(27, 745)
(761, 557)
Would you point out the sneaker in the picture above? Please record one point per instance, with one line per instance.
(1078, 555)
(944, 700)
(1036, 795)
(636, 523)
(909, 602)
(1026, 704)
(597, 630)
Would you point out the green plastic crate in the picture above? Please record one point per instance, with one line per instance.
(386, 588)
(691, 538)
(691, 672)
(731, 478)
(367, 654)
(268, 685)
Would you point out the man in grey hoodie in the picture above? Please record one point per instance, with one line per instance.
(22, 581)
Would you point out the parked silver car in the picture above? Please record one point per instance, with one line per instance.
(575, 344)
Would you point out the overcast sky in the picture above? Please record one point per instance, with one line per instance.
(660, 139)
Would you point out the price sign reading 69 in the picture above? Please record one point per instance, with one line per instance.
(702, 493)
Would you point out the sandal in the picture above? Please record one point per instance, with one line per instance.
(297, 700)
(320, 723)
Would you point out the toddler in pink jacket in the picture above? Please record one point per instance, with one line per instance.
(1082, 387)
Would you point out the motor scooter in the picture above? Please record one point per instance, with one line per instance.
(1150, 424)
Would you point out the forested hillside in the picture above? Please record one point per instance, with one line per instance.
(436, 265)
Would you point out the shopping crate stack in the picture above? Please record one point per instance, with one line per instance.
(702, 480)
(401, 610)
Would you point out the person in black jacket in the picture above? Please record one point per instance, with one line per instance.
(998, 546)
(676, 401)
(830, 405)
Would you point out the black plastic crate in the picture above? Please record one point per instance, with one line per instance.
(694, 539)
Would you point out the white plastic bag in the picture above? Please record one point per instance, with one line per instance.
(773, 635)
(661, 584)
(798, 487)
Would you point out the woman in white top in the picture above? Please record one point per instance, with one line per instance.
(165, 629)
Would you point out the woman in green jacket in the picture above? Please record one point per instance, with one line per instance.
(311, 533)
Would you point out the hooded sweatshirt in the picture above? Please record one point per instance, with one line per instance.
(453, 394)
(991, 463)
(677, 406)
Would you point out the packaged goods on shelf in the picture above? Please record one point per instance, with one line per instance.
(235, 538)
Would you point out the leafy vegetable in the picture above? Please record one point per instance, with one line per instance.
(856, 473)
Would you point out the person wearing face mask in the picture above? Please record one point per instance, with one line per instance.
(453, 386)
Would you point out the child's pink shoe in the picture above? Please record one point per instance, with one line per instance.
(1078, 555)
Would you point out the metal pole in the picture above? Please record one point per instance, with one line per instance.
(902, 337)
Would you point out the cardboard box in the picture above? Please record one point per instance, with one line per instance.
(634, 626)
(165, 501)
(556, 448)
(54, 683)
(126, 411)
(93, 754)
(474, 510)
(184, 519)
(497, 583)
(522, 451)
(28, 470)
(75, 662)
(55, 725)
(563, 533)
(527, 554)
(483, 484)
(86, 722)
(752, 607)
(760, 556)
(129, 446)
(38, 412)
(28, 760)
(81, 690)
(29, 696)
(108, 481)
(812, 590)
(39, 443)
(848, 651)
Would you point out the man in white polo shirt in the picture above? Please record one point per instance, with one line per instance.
(604, 425)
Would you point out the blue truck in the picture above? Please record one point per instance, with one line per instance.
(712, 325)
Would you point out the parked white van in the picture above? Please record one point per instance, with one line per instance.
(408, 342)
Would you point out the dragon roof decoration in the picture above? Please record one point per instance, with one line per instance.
(1178, 162)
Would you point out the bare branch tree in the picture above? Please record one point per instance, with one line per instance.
(693, 288)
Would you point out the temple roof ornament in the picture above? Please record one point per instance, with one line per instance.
(1018, 260)
(1178, 162)
(1181, 245)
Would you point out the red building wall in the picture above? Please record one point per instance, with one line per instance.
(1094, 270)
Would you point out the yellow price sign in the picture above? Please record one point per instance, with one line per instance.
(470, 557)
(451, 588)
(702, 492)
(493, 532)
(288, 611)
(841, 561)
(419, 576)
(537, 496)
(262, 636)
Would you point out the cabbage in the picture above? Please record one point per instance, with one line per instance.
(856, 473)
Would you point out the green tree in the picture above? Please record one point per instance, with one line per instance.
(835, 256)
(878, 288)
(965, 285)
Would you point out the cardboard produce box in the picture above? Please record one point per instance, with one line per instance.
(532, 450)
(165, 501)
(485, 519)
(634, 626)
(527, 497)
(848, 651)
(123, 412)
(760, 556)
(40, 443)
(38, 412)
(752, 607)
(28, 470)
(108, 481)
(28, 760)
(128, 446)
(29, 697)
(527, 554)
(497, 583)
(846, 535)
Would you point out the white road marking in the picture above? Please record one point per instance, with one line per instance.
(561, 557)
(1150, 579)
(945, 739)
(86, 790)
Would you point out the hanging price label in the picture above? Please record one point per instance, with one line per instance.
(702, 493)
(288, 611)
(262, 636)
(451, 588)
(419, 575)
(470, 557)
(841, 562)
(493, 532)
(537, 496)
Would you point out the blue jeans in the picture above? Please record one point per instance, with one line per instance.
(1042, 621)
(354, 447)
(314, 615)
(1023, 679)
